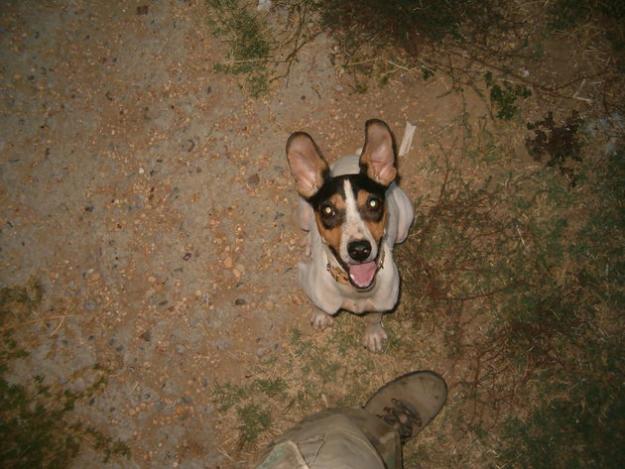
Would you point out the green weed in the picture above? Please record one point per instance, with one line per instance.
(254, 420)
(250, 47)
(254, 417)
(586, 428)
(271, 387)
(399, 21)
(504, 98)
(559, 143)
(228, 394)
(36, 429)
(19, 301)
(605, 15)
(36, 424)
(567, 13)
(543, 268)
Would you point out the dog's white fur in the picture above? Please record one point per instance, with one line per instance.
(331, 296)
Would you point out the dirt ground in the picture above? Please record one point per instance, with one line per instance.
(150, 197)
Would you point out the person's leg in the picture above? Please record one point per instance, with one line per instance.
(333, 438)
(368, 438)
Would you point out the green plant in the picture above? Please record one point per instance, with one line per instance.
(504, 98)
(250, 48)
(399, 21)
(254, 420)
(606, 15)
(565, 14)
(541, 270)
(559, 143)
(272, 387)
(37, 428)
(228, 394)
(586, 428)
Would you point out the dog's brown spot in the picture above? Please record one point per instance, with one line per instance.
(377, 228)
(330, 227)
(373, 211)
(338, 201)
(332, 236)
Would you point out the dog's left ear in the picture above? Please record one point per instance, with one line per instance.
(378, 155)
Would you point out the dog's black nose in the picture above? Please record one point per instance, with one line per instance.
(359, 250)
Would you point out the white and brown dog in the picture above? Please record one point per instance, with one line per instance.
(354, 214)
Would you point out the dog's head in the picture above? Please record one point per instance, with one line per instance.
(350, 210)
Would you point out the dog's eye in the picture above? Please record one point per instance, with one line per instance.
(327, 211)
(374, 203)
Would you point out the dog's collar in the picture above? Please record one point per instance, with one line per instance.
(342, 277)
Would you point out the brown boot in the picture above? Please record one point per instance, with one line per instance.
(410, 402)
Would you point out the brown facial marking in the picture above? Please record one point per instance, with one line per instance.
(373, 216)
(331, 232)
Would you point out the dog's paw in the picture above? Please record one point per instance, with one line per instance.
(320, 320)
(375, 337)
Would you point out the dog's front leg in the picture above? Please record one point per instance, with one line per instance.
(320, 319)
(375, 335)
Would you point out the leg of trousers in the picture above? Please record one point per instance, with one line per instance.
(336, 439)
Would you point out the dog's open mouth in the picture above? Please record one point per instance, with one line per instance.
(362, 275)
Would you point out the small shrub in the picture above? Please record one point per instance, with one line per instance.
(504, 98)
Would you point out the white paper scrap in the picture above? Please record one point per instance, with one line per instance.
(406, 141)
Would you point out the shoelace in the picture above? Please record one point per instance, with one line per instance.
(402, 417)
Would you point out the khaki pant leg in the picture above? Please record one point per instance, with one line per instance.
(336, 439)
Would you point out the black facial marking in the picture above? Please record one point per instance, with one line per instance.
(330, 187)
(362, 181)
(334, 185)
(373, 210)
(331, 216)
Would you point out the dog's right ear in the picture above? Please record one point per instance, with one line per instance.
(307, 164)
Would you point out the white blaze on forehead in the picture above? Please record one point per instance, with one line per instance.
(354, 228)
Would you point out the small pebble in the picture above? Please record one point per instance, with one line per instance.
(253, 180)
(223, 344)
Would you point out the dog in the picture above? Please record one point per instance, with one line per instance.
(354, 213)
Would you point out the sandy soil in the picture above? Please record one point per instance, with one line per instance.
(151, 198)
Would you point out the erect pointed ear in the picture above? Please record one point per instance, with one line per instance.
(378, 155)
(307, 164)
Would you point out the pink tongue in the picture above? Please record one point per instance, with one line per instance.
(362, 274)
